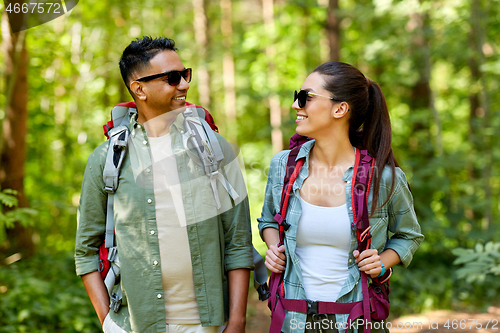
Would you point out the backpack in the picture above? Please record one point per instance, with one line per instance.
(198, 130)
(375, 303)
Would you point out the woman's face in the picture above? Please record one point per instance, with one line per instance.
(315, 118)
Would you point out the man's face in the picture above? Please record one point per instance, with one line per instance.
(158, 93)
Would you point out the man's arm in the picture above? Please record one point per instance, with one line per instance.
(239, 280)
(97, 293)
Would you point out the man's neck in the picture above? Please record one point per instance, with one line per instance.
(156, 124)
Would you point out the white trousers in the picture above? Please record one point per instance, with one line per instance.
(109, 326)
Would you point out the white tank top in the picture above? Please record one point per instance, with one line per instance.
(323, 240)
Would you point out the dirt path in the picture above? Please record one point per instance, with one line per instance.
(441, 321)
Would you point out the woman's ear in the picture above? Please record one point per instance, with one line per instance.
(138, 90)
(340, 110)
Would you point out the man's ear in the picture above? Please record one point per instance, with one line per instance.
(340, 110)
(138, 90)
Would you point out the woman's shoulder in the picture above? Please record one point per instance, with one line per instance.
(280, 158)
(387, 176)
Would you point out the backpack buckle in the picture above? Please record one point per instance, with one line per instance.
(115, 302)
(113, 251)
(285, 225)
(263, 292)
(312, 307)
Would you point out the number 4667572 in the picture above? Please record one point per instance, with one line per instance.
(33, 7)
(471, 323)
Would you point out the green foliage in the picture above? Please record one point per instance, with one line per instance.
(478, 262)
(44, 295)
(22, 215)
(442, 151)
(431, 283)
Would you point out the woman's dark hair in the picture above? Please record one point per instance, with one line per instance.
(369, 111)
(137, 55)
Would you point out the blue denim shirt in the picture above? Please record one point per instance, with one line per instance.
(397, 217)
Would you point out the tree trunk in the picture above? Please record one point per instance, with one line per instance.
(421, 97)
(274, 100)
(333, 29)
(421, 147)
(484, 108)
(14, 129)
(228, 71)
(200, 29)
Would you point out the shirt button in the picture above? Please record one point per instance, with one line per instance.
(159, 295)
(350, 208)
(152, 232)
(150, 201)
(350, 261)
(155, 263)
(148, 170)
(348, 182)
(145, 142)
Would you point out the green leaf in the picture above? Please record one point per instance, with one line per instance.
(7, 199)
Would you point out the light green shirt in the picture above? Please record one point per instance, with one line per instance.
(219, 240)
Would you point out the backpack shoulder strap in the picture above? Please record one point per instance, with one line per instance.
(292, 170)
(360, 188)
(117, 149)
(208, 150)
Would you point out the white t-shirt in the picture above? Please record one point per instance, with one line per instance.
(323, 240)
(176, 269)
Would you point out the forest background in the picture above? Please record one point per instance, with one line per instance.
(437, 62)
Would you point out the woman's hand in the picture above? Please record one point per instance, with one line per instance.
(369, 262)
(275, 258)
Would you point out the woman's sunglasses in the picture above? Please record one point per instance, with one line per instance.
(301, 96)
(173, 77)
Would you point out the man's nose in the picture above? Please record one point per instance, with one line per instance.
(183, 85)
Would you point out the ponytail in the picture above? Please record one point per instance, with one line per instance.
(369, 124)
(377, 138)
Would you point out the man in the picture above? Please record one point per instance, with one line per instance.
(184, 262)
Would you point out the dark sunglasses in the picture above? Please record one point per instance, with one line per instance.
(301, 96)
(173, 77)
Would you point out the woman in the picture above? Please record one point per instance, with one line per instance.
(319, 257)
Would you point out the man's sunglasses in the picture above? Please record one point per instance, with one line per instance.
(173, 77)
(301, 96)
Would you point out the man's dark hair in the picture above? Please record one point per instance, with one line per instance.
(137, 55)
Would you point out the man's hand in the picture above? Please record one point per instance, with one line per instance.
(235, 326)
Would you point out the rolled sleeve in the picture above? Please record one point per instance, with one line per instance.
(236, 221)
(403, 222)
(238, 237)
(91, 218)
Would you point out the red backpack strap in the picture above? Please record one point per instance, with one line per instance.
(292, 170)
(360, 188)
(208, 117)
(276, 285)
